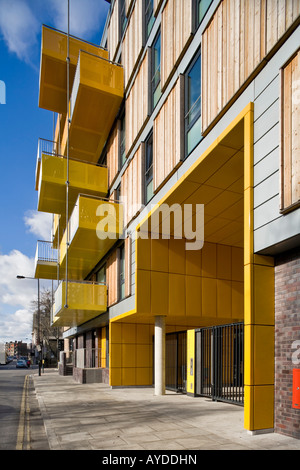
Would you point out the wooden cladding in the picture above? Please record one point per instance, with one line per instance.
(239, 36)
(113, 31)
(133, 40)
(176, 29)
(136, 108)
(112, 278)
(113, 273)
(290, 137)
(132, 187)
(168, 144)
(112, 155)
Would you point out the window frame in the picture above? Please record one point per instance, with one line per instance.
(122, 18)
(122, 139)
(153, 88)
(121, 274)
(148, 19)
(196, 19)
(188, 127)
(147, 179)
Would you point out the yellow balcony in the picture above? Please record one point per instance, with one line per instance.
(46, 261)
(95, 100)
(53, 67)
(94, 227)
(85, 301)
(52, 176)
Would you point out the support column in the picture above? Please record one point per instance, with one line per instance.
(160, 355)
(258, 311)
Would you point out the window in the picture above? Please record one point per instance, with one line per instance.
(155, 71)
(101, 275)
(201, 8)
(149, 17)
(122, 141)
(193, 105)
(149, 168)
(122, 272)
(122, 16)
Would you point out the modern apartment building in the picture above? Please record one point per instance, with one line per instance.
(173, 177)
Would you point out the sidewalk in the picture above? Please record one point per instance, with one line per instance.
(94, 416)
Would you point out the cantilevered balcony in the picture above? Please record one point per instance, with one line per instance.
(94, 227)
(46, 261)
(83, 302)
(51, 177)
(53, 67)
(96, 97)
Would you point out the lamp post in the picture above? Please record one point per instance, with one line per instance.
(38, 319)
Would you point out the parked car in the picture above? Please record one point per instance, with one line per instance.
(21, 364)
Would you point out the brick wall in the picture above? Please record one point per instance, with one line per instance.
(287, 331)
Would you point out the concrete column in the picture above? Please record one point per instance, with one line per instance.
(160, 355)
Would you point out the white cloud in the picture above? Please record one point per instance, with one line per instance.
(16, 327)
(85, 16)
(19, 27)
(39, 224)
(21, 21)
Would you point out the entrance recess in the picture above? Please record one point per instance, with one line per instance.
(176, 358)
(220, 363)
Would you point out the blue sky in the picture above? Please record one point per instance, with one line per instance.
(22, 122)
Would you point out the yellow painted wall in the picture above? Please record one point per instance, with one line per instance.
(190, 379)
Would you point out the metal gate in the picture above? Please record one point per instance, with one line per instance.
(176, 358)
(220, 363)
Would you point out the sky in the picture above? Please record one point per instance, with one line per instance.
(22, 122)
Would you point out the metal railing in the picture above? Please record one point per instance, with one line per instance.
(46, 146)
(46, 252)
(88, 358)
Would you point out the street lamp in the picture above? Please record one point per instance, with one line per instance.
(39, 314)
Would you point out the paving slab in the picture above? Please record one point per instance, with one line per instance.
(96, 416)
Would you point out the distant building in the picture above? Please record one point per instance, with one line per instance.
(16, 348)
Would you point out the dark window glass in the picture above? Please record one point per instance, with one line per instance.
(149, 168)
(123, 19)
(155, 81)
(122, 272)
(201, 8)
(101, 275)
(149, 16)
(193, 104)
(122, 141)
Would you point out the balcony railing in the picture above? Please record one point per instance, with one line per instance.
(46, 260)
(46, 252)
(89, 358)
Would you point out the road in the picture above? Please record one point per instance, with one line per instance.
(21, 427)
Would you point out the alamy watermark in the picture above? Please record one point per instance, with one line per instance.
(2, 92)
(176, 221)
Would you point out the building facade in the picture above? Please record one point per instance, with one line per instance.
(173, 180)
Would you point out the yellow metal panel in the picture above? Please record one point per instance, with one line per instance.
(159, 293)
(177, 256)
(143, 291)
(259, 413)
(45, 270)
(223, 262)
(143, 355)
(264, 288)
(144, 376)
(143, 253)
(128, 355)
(177, 294)
(83, 177)
(237, 300)
(96, 98)
(193, 296)
(128, 376)
(193, 262)
(209, 297)
(53, 67)
(209, 260)
(116, 355)
(95, 226)
(160, 255)
(129, 333)
(224, 298)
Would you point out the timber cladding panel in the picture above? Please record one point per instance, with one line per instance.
(112, 155)
(168, 144)
(238, 38)
(133, 40)
(176, 29)
(132, 187)
(290, 137)
(113, 31)
(136, 107)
